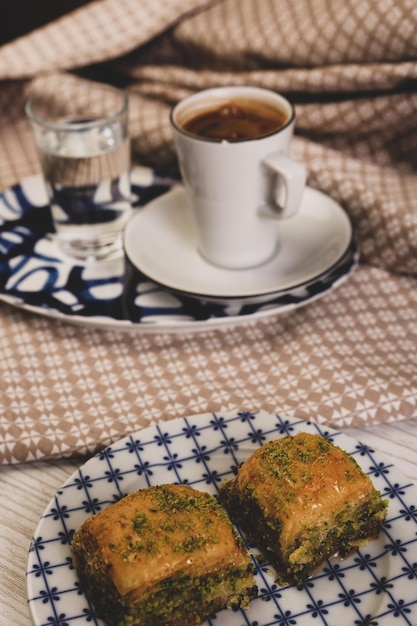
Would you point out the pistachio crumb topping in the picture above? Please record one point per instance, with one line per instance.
(168, 519)
(301, 499)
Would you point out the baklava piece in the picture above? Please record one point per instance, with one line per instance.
(301, 500)
(163, 555)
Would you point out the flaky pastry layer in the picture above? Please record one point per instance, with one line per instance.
(302, 499)
(163, 555)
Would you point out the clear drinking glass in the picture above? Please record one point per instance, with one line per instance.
(81, 132)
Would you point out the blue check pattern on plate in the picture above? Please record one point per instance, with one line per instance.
(375, 586)
(37, 276)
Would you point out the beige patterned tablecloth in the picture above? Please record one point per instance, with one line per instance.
(350, 67)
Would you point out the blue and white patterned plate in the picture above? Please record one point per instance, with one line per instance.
(36, 276)
(375, 586)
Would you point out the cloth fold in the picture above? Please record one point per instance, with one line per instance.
(94, 33)
(350, 68)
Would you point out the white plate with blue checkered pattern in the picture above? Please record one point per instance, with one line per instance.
(375, 586)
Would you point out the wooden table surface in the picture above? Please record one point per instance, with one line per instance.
(25, 491)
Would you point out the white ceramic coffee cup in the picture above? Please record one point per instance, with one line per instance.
(237, 189)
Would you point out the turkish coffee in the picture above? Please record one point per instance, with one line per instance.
(237, 120)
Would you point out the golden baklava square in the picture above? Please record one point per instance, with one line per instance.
(300, 500)
(165, 555)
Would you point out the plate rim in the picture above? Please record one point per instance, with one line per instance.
(179, 326)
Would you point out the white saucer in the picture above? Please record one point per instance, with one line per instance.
(160, 242)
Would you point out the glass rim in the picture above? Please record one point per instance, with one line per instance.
(77, 125)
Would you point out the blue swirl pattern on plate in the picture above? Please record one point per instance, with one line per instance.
(375, 586)
(37, 276)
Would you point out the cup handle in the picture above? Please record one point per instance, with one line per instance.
(286, 181)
